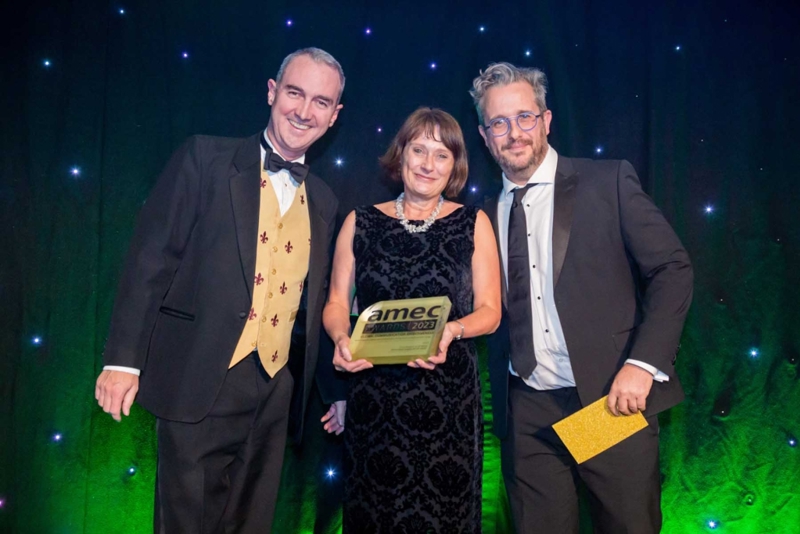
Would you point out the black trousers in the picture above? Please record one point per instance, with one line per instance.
(222, 474)
(542, 478)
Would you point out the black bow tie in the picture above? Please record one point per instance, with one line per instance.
(273, 162)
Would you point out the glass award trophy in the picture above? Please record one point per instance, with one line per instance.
(400, 331)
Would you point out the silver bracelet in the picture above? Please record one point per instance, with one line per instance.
(459, 336)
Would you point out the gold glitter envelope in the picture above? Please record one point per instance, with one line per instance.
(590, 431)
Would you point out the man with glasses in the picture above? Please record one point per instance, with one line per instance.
(596, 289)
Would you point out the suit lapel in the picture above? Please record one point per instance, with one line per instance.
(319, 244)
(245, 184)
(564, 204)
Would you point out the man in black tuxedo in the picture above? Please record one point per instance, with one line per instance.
(596, 289)
(216, 322)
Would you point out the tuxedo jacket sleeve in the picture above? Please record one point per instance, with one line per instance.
(162, 232)
(665, 273)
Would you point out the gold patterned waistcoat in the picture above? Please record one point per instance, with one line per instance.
(284, 246)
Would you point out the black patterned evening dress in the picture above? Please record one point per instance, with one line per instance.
(413, 445)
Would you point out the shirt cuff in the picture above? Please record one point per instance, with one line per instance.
(658, 376)
(130, 370)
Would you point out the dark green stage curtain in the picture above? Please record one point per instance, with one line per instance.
(701, 97)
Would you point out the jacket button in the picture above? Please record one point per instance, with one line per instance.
(242, 315)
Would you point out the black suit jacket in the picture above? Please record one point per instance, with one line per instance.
(623, 284)
(185, 292)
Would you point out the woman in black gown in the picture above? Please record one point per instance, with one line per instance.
(413, 439)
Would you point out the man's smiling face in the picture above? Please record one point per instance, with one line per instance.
(304, 105)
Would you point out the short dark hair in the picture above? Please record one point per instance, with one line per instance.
(424, 122)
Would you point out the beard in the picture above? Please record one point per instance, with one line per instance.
(528, 165)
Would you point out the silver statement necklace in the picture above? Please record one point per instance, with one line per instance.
(413, 228)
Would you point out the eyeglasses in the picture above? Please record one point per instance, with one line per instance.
(502, 125)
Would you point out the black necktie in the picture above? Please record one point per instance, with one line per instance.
(273, 162)
(523, 359)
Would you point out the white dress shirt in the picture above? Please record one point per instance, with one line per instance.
(282, 181)
(553, 368)
(285, 188)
